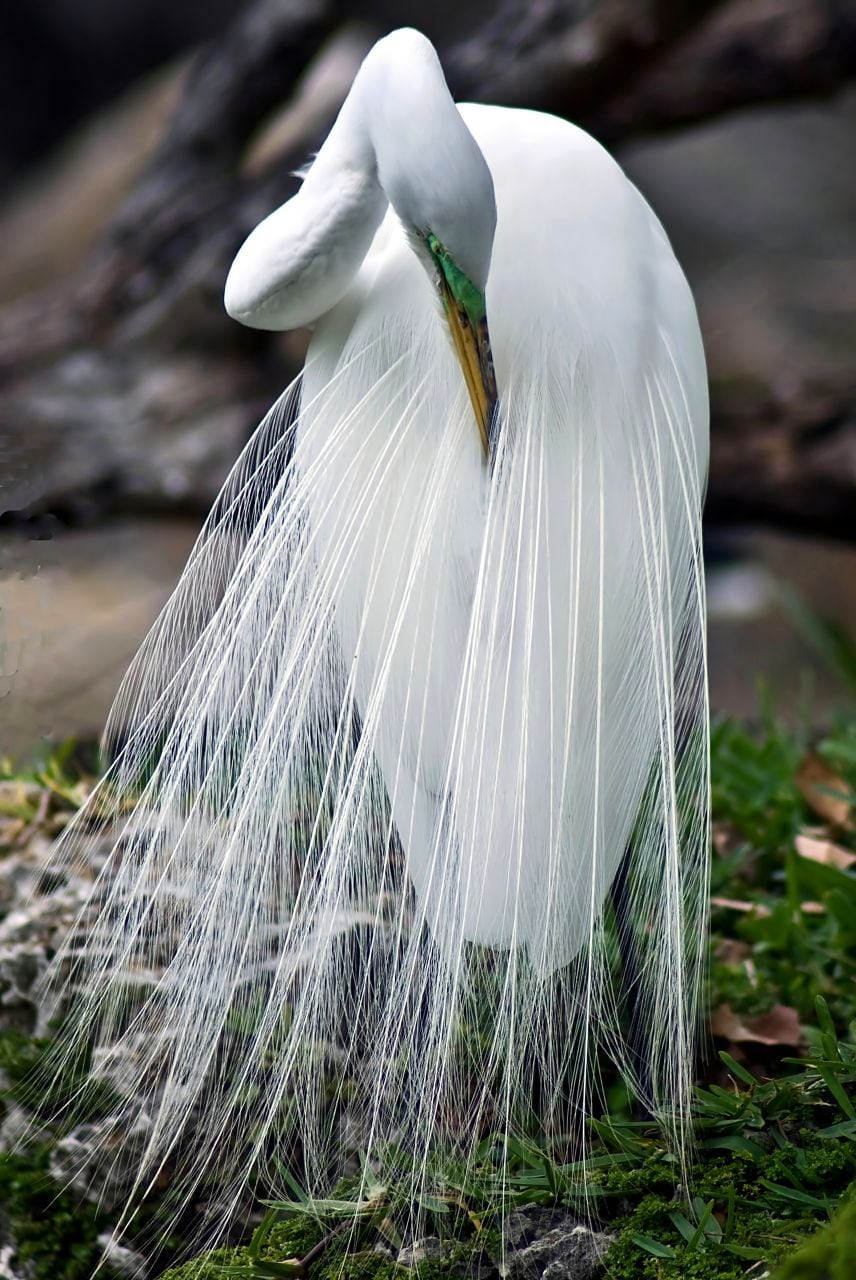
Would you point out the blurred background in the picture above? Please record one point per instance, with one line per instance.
(140, 142)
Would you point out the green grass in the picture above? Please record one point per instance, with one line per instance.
(773, 1160)
(773, 1177)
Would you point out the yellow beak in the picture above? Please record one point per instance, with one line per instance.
(474, 356)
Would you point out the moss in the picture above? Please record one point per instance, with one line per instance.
(751, 1220)
(290, 1238)
(207, 1267)
(53, 1233)
(362, 1265)
(33, 1079)
(739, 1186)
(625, 1261)
(353, 1256)
(52, 1229)
(828, 1254)
(55, 1236)
(630, 1259)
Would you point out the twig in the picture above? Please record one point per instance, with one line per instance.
(303, 1264)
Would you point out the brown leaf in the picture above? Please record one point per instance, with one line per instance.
(779, 1026)
(737, 904)
(815, 780)
(831, 855)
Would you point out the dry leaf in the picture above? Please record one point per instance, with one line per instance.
(831, 855)
(779, 1026)
(816, 780)
(737, 904)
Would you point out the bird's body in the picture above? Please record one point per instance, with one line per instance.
(464, 618)
(488, 711)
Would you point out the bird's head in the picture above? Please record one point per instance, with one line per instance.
(437, 180)
(399, 139)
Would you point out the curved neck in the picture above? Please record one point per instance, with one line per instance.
(399, 140)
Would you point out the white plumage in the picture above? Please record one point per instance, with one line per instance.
(383, 642)
(473, 611)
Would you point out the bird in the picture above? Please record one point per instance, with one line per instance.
(420, 742)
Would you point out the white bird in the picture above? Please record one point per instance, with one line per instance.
(435, 665)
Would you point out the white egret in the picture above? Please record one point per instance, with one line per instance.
(435, 664)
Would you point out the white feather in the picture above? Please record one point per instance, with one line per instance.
(523, 652)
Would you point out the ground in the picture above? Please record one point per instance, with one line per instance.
(773, 1177)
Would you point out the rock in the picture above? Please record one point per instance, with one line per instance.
(540, 1244)
(21, 968)
(522, 1226)
(123, 1261)
(100, 1161)
(17, 1125)
(9, 1264)
(570, 1252)
(413, 1254)
(40, 901)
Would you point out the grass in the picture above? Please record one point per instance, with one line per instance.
(773, 1180)
(774, 1158)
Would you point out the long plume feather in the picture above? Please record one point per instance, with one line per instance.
(413, 762)
(377, 767)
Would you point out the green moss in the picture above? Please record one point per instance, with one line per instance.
(208, 1266)
(289, 1238)
(753, 1217)
(353, 1254)
(363, 1265)
(55, 1236)
(829, 1254)
(53, 1230)
(45, 1088)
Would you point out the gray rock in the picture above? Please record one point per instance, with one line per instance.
(22, 966)
(570, 1252)
(522, 1226)
(100, 1161)
(40, 902)
(9, 1264)
(428, 1247)
(123, 1261)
